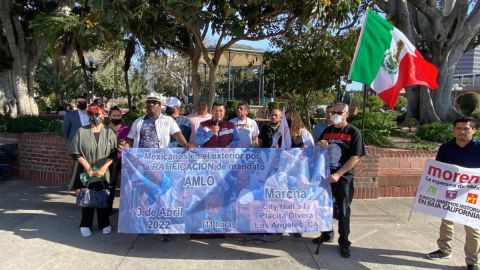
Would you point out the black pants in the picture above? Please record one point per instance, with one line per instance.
(102, 213)
(102, 216)
(343, 192)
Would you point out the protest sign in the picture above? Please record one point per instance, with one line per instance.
(208, 190)
(449, 192)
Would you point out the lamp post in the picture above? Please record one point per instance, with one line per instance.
(92, 66)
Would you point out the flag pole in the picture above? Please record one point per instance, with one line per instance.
(363, 106)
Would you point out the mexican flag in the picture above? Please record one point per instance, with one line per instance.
(387, 61)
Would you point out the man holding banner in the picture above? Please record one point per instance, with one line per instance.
(463, 150)
(346, 146)
(154, 130)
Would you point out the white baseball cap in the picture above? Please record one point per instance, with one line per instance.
(173, 102)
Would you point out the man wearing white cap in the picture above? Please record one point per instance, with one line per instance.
(173, 110)
(154, 129)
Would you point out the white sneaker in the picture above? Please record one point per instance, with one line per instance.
(107, 230)
(85, 231)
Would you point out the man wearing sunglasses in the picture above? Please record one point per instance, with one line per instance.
(345, 145)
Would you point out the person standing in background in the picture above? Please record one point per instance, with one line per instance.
(197, 117)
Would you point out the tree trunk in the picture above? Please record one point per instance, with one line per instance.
(196, 80)
(8, 103)
(24, 52)
(129, 52)
(212, 76)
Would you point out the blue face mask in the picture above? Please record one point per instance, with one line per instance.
(95, 119)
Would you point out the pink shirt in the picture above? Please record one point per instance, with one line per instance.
(195, 120)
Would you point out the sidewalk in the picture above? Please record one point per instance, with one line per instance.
(39, 230)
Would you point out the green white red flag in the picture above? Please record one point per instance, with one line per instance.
(388, 62)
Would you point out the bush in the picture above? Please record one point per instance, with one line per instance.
(476, 114)
(435, 132)
(30, 123)
(232, 104)
(374, 103)
(378, 126)
(277, 105)
(468, 103)
(131, 116)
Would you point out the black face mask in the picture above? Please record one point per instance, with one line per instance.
(82, 105)
(289, 122)
(169, 110)
(116, 121)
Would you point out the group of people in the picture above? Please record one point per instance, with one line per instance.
(95, 146)
(97, 149)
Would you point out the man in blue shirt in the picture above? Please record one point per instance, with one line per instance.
(463, 150)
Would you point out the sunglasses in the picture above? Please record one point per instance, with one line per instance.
(337, 113)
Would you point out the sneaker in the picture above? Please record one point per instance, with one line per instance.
(325, 237)
(472, 267)
(85, 231)
(166, 238)
(345, 251)
(438, 254)
(107, 230)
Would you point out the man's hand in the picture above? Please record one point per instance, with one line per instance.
(334, 177)
(189, 146)
(215, 129)
(323, 143)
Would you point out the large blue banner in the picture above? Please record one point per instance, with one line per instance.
(236, 190)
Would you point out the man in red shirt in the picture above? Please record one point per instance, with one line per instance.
(215, 132)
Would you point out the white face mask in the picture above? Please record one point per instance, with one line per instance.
(337, 119)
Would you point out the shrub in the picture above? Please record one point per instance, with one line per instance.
(374, 103)
(30, 123)
(131, 116)
(469, 102)
(277, 105)
(476, 114)
(435, 132)
(378, 126)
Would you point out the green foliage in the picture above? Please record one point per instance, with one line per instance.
(476, 114)
(378, 126)
(57, 84)
(422, 146)
(29, 123)
(435, 132)
(402, 102)
(356, 99)
(277, 105)
(469, 102)
(131, 116)
(374, 103)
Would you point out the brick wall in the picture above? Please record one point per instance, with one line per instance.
(381, 173)
(389, 173)
(43, 157)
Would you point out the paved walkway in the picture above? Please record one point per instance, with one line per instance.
(39, 230)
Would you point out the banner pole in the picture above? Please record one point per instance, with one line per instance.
(363, 106)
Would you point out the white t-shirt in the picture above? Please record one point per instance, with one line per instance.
(165, 127)
(246, 130)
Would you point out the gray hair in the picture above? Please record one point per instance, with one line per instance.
(344, 105)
